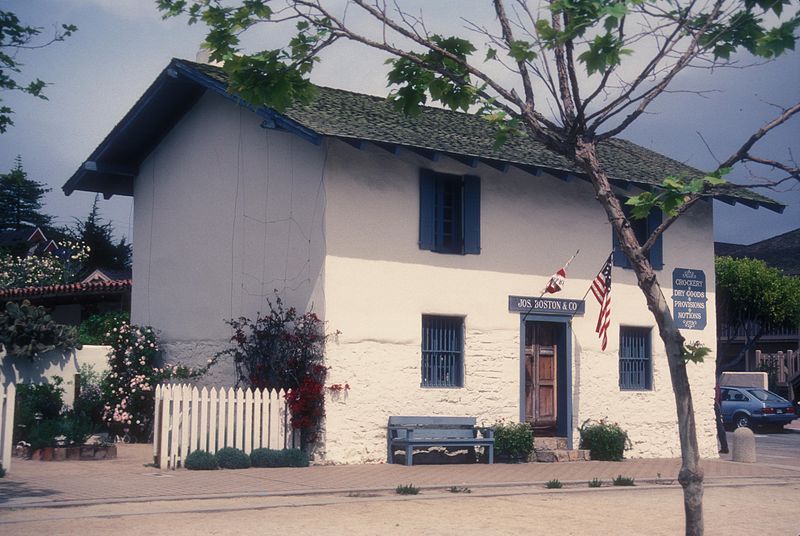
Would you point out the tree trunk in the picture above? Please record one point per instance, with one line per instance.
(691, 474)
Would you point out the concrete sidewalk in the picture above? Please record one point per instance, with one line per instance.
(132, 478)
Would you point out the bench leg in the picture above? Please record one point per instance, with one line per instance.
(491, 453)
(409, 455)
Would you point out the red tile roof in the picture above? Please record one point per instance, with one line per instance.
(96, 287)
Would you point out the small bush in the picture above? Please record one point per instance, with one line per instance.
(595, 483)
(456, 489)
(43, 401)
(295, 458)
(278, 458)
(407, 490)
(606, 442)
(200, 460)
(513, 439)
(267, 458)
(623, 481)
(27, 330)
(554, 484)
(232, 458)
(97, 329)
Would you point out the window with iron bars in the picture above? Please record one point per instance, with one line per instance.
(635, 362)
(442, 351)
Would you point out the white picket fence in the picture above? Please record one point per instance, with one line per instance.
(8, 395)
(188, 419)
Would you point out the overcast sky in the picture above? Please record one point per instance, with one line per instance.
(122, 45)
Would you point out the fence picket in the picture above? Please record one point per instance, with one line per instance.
(248, 421)
(7, 400)
(229, 412)
(194, 439)
(213, 421)
(156, 423)
(202, 443)
(257, 419)
(164, 429)
(239, 420)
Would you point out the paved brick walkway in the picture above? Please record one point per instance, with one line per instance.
(131, 478)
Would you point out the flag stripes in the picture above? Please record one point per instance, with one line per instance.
(601, 288)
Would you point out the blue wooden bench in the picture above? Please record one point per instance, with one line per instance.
(410, 432)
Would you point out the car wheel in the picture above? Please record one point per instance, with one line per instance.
(741, 420)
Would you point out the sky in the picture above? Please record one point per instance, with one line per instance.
(121, 46)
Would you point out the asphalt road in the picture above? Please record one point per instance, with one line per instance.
(779, 448)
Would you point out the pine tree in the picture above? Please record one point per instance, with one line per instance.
(21, 200)
(103, 252)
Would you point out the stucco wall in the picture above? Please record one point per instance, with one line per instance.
(378, 283)
(225, 212)
(48, 365)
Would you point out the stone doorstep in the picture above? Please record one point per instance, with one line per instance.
(550, 443)
(562, 455)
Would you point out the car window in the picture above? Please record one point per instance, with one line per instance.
(765, 396)
(725, 394)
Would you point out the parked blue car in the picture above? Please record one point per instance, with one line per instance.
(752, 406)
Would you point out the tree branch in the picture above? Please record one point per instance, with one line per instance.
(742, 154)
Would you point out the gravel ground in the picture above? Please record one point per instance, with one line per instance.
(652, 510)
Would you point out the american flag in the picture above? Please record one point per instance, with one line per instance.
(601, 288)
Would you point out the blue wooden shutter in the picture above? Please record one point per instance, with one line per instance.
(657, 251)
(472, 214)
(619, 256)
(427, 209)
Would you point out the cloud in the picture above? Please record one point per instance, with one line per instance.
(123, 9)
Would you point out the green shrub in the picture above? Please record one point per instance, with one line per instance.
(43, 401)
(90, 403)
(407, 490)
(513, 439)
(43, 434)
(623, 481)
(27, 330)
(278, 458)
(605, 441)
(595, 483)
(232, 458)
(200, 460)
(76, 429)
(295, 458)
(267, 458)
(554, 484)
(97, 329)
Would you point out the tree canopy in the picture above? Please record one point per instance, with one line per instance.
(98, 237)
(751, 298)
(15, 36)
(21, 200)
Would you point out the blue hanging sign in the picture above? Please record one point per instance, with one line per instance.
(689, 298)
(547, 306)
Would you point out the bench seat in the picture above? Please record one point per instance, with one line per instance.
(416, 431)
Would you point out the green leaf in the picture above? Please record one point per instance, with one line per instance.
(521, 51)
(695, 352)
(491, 54)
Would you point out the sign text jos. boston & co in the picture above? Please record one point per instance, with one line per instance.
(552, 306)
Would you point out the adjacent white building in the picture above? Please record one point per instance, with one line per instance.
(417, 240)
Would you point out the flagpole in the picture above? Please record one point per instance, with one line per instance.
(563, 268)
(598, 273)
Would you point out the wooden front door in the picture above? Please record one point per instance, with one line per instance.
(540, 374)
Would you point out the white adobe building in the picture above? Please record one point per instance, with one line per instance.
(420, 242)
